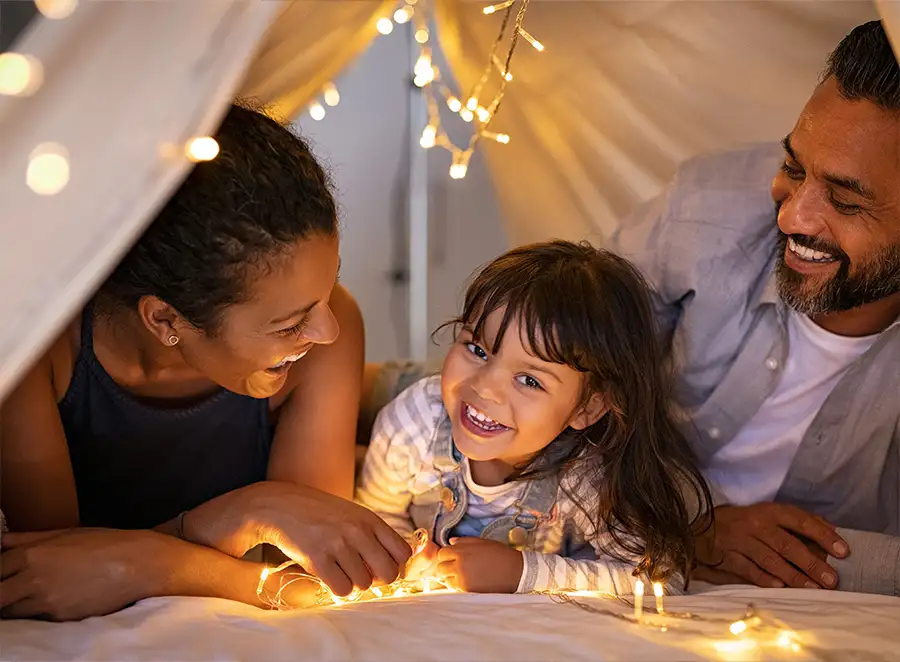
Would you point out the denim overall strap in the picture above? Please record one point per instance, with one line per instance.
(443, 505)
(537, 504)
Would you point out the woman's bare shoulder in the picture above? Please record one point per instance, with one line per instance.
(60, 357)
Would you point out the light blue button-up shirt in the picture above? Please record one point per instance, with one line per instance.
(708, 244)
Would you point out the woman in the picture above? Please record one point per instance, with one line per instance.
(205, 393)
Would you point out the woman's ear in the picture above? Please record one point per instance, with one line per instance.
(590, 413)
(159, 318)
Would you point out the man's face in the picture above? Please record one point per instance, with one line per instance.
(838, 197)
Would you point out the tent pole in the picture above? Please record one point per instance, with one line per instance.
(418, 219)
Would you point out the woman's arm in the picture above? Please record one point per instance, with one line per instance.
(35, 455)
(315, 438)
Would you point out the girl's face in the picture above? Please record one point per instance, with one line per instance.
(285, 316)
(508, 406)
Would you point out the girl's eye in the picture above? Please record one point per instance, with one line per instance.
(791, 171)
(294, 330)
(477, 351)
(530, 382)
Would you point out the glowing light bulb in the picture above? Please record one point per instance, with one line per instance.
(201, 149)
(428, 136)
(538, 46)
(502, 138)
(467, 115)
(423, 70)
(403, 15)
(460, 165)
(264, 575)
(20, 75)
(738, 627)
(421, 36)
(638, 600)
(658, 592)
(454, 104)
(48, 169)
(331, 95)
(56, 9)
(384, 26)
(483, 114)
(472, 103)
(507, 76)
(377, 591)
(495, 8)
(316, 111)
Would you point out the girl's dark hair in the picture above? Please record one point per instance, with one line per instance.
(263, 192)
(591, 310)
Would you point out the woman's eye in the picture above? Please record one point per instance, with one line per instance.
(476, 350)
(529, 381)
(294, 330)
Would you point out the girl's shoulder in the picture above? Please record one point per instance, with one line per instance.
(419, 407)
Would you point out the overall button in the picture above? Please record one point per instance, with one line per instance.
(772, 363)
(517, 536)
(448, 499)
(714, 433)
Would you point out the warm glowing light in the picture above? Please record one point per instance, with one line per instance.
(454, 104)
(56, 9)
(638, 600)
(495, 8)
(201, 149)
(403, 15)
(735, 646)
(20, 75)
(421, 36)
(472, 103)
(48, 169)
(658, 592)
(264, 575)
(538, 46)
(467, 115)
(483, 114)
(331, 95)
(738, 627)
(502, 138)
(460, 165)
(316, 111)
(384, 25)
(428, 136)
(423, 70)
(376, 591)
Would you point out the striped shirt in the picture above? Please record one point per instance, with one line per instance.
(399, 464)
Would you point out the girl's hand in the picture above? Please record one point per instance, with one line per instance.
(342, 543)
(76, 573)
(476, 565)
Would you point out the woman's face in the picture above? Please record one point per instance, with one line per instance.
(286, 315)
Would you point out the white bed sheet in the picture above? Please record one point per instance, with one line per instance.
(833, 626)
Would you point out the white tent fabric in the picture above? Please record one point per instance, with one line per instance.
(122, 80)
(487, 628)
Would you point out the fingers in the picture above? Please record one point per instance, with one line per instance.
(12, 591)
(447, 573)
(806, 566)
(710, 575)
(352, 564)
(812, 527)
(395, 545)
(736, 563)
(334, 577)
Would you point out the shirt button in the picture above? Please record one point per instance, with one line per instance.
(714, 433)
(772, 363)
(517, 536)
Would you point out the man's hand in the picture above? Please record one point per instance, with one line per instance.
(772, 545)
(476, 565)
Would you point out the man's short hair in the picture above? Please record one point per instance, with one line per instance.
(865, 67)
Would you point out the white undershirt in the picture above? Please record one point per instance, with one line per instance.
(752, 466)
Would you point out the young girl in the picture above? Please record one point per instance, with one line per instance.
(544, 455)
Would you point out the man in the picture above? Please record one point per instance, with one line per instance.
(780, 300)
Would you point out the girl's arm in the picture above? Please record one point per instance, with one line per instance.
(315, 438)
(400, 438)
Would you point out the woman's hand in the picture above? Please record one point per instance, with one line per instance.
(476, 565)
(344, 544)
(73, 574)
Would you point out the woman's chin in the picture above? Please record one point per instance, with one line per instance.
(264, 384)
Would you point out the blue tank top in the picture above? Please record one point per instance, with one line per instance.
(137, 466)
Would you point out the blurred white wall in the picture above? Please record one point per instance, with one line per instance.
(365, 143)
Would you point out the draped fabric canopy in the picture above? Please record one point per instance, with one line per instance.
(625, 90)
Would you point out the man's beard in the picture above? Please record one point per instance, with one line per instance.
(875, 279)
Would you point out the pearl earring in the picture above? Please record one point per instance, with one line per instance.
(173, 340)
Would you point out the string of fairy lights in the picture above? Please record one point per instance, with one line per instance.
(483, 100)
(753, 633)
